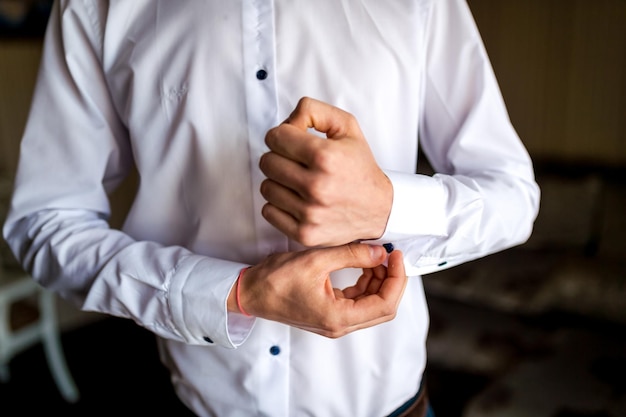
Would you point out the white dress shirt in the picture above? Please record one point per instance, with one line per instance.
(185, 91)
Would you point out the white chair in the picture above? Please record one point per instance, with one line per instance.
(16, 286)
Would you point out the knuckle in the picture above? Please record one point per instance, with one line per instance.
(307, 235)
(352, 249)
(311, 217)
(319, 191)
(352, 123)
(265, 210)
(313, 189)
(263, 162)
(304, 103)
(301, 235)
(334, 328)
(323, 158)
(270, 136)
(265, 188)
(389, 311)
(335, 335)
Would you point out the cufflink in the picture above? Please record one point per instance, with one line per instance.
(388, 247)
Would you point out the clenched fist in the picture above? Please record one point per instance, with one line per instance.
(323, 191)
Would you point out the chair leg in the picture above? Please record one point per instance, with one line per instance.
(5, 373)
(53, 349)
(5, 348)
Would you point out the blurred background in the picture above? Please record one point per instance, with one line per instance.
(538, 330)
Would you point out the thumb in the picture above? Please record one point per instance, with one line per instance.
(325, 118)
(354, 255)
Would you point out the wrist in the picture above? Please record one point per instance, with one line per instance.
(385, 199)
(233, 300)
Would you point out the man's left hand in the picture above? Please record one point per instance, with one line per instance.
(323, 191)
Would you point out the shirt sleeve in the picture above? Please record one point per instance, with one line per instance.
(74, 152)
(483, 197)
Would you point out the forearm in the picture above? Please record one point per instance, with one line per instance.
(445, 220)
(167, 289)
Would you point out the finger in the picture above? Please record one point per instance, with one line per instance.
(352, 255)
(334, 122)
(342, 330)
(293, 143)
(384, 303)
(396, 275)
(379, 274)
(393, 286)
(359, 289)
(359, 326)
(368, 283)
(285, 171)
(282, 197)
(348, 315)
(281, 220)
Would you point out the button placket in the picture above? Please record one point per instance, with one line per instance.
(261, 107)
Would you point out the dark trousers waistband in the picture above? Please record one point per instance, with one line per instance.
(417, 406)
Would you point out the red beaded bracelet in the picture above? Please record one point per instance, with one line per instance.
(237, 292)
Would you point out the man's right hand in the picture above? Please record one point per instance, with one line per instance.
(294, 288)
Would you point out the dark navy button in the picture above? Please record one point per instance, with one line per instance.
(388, 247)
(275, 350)
(207, 339)
(261, 74)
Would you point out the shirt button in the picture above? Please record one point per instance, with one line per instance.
(261, 74)
(275, 350)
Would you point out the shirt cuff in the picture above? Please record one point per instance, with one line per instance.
(198, 301)
(418, 208)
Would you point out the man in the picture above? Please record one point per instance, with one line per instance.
(276, 144)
